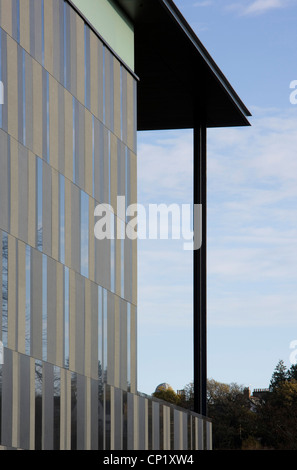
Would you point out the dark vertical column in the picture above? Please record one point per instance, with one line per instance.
(200, 281)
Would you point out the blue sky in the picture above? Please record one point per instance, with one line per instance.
(252, 210)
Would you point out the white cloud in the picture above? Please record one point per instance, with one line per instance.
(258, 7)
(252, 222)
(204, 3)
(261, 6)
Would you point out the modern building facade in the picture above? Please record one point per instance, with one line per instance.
(73, 102)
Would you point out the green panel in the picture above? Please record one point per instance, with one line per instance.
(112, 25)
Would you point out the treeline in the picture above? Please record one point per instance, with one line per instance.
(267, 420)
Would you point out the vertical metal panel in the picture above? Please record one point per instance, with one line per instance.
(156, 426)
(73, 52)
(101, 79)
(124, 125)
(80, 59)
(37, 108)
(53, 123)
(94, 331)
(80, 323)
(81, 418)
(68, 107)
(15, 10)
(94, 74)
(94, 414)
(51, 310)
(133, 352)
(47, 210)
(99, 161)
(55, 215)
(107, 418)
(25, 24)
(14, 187)
(117, 343)
(24, 415)
(29, 101)
(36, 304)
(88, 324)
(75, 228)
(79, 145)
(130, 112)
(12, 293)
(4, 107)
(48, 35)
(88, 157)
(57, 50)
(117, 97)
(36, 24)
(7, 384)
(61, 130)
(200, 435)
(72, 320)
(118, 419)
(31, 199)
(59, 315)
(91, 240)
(21, 311)
(23, 193)
(6, 16)
(110, 338)
(130, 421)
(142, 423)
(4, 182)
(149, 425)
(123, 345)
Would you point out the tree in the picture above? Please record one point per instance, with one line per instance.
(230, 410)
(167, 395)
(279, 376)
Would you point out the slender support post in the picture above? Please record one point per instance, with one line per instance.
(200, 273)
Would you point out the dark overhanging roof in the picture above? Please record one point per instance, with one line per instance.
(180, 85)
